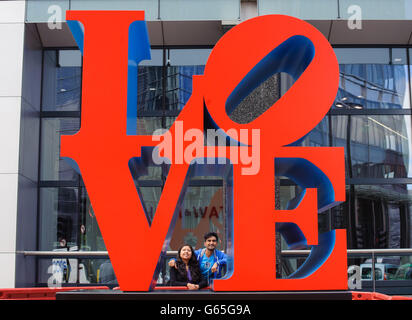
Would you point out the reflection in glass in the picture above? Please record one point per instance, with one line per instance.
(319, 136)
(73, 271)
(410, 70)
(378, 146)
(174, 80)
(181, 65)
(67, 221)
(149, 88)
(53, 167)
(382, 215)
(375, 216)
(202, 211)
(376, 82)
(179, 85)
(148, 125)
(62, 77)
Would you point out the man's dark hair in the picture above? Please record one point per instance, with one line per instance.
(211, 234)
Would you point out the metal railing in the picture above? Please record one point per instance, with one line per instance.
(285, 253)
(360, 252)
(104, 254)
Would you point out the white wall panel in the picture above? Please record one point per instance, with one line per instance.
(8, 264)
(12, 15)
(12, 11)
(11, 62)
(9, 135)
(8, 216)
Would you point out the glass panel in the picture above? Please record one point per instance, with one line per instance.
(202, 208)
(37, 10)
(378, 9)
(319, 136)
(399, 56)
(389, 272)
(315, 9)
(372, 79)
(188, 57)
(410, 71)
(62, 75)
(382, 216)
(340, 131)
(67, 221)
(147, 125)
(156, 58)
(199, 10)
(150, 7)
(149, 88)
(363, 55)
(150, 198)
(53, 167)
(375, 216)
(59, 271)
(202, 211)
(70, 58)
(58, 212)
(149, 82)
(179, 85)
(328, 10)
(379, 146)
(182, 64)
(43, 10)
(403, 272)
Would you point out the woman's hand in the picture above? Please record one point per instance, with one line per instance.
(192, 286)
(172, 263)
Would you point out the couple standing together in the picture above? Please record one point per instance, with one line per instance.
(195, 269)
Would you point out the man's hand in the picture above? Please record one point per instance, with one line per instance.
(172, 263)
(214, 267)
(192, 286)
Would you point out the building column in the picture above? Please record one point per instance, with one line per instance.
(12, 15)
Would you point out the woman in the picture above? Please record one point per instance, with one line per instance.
(186, 271)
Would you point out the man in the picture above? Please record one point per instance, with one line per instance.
(210, 259)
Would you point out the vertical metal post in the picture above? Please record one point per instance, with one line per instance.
(373, 272)
(164, 84)
(225, 247)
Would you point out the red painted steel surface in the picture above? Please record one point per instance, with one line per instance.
(40, 293)
(376, 296)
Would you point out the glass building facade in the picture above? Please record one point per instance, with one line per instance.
(370, 118)
(46, 210)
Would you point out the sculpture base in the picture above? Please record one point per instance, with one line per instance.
(203, 295)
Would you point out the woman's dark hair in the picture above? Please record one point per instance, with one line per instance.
(193, 265)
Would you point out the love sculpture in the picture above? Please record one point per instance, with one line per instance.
(113, 44)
